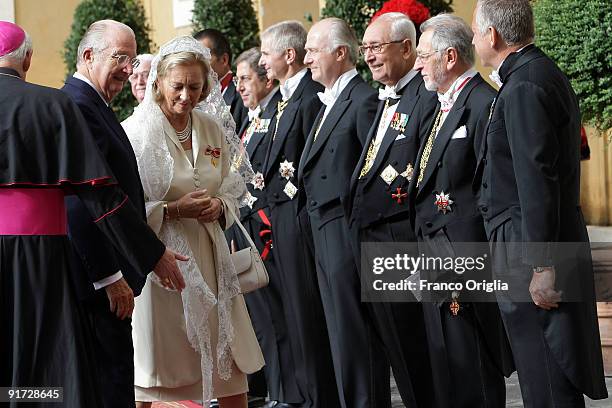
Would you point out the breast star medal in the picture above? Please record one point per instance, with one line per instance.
(443, 202)
(290, 190)
(389, 174)
(286, 169)
(258, 181)
(408, 172)
(399, 196)
(250, 199)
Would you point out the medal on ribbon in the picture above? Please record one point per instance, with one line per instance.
(250, 199)
(214, 153)
(399, 121)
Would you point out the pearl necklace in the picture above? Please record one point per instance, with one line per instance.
(184, 134)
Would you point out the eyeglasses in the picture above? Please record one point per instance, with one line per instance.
(376, 48)
(424, 56)
(123, 60)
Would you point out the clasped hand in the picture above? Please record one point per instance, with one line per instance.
(200, 205)
(542, 289)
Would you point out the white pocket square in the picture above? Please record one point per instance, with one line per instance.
(400, 136)
(460, 133)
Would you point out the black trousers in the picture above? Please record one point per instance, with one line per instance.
(114, 352)
(465, 374)
(543, 383)
(400, 325)
(268, 317)
(303, 308)
(360, 363)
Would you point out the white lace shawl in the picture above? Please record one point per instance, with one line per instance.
(145, 130)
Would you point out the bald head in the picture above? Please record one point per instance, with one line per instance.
(99, 34)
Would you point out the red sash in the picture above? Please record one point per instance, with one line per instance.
(32, 211)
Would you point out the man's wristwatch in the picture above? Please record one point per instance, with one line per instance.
(540, 269)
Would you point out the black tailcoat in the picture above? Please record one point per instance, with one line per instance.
(324, 173)
(374, 216)
(450, 169)
(371, 200)
(265, 305)
(528, 176)
(291, 237)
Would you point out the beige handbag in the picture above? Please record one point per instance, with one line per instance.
(250, 268)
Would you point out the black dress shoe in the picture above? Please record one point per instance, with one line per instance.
(257, 402)
(285, 405)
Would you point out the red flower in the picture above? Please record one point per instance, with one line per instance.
(414, 9)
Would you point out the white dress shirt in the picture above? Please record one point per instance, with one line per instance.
(288, 88)
(330, 96)
(447, 99)
(385, 121)
(495, 74)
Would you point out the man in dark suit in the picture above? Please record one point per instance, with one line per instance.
(221, 63)
(105, 61)
(329, 157)
(528, 175)
(471, 339)
(377, 209)
(282, 49)
(261, 96)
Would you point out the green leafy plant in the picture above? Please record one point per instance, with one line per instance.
(236, 19)
(129, 12)
(358, 14)
(576, 35)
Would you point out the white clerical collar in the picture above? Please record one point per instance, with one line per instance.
(495, 74)
(83, 78)
(266, 100)
(288, 88)
(330, 96)
(448, 98)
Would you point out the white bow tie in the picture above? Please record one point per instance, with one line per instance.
(496, 78)
(327, 97)
(387, 92)
(254, 113)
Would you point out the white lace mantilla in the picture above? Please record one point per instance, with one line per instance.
(146, 133)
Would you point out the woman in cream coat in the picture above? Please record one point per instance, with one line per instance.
(198, 343)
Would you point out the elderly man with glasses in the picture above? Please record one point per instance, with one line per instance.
(106, 59)
(378, 209)
(464, 337)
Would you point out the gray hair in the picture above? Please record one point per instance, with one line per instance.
(95, 37)
(145, 57)
(18, 55)
(450, 31)
(251, 57)
(512, 19)
(401, 27)
(342, 35)
(285, 35)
